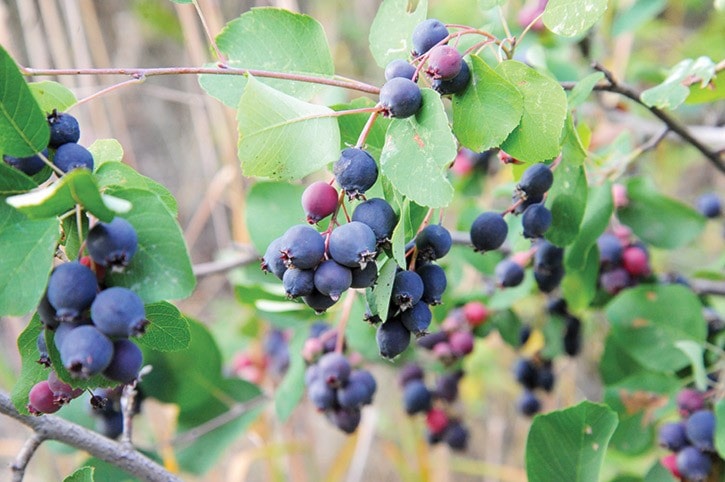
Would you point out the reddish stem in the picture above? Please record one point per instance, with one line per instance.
(344, 316)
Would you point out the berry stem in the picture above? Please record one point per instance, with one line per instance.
(526, 30)
(79, 226)
(47, 162)
(109, 89)
(367, 128)
(220, 57)
(344, 316)
(156, 71)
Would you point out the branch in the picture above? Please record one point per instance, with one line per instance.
(614, 86)
(26, 453)
(50, 427)
(140, 73)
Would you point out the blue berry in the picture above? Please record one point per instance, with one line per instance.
(119, 313)
(334, 369)
(400, 98)
(85, 351)
(399, 68)
(332, 278)
(672, 436)
(407, 289)
(392, 338)
(610, 250)
(64, 128)
(536, 221)
(488, 231)
(536, 180)
(427, 34)
(321, 394)
(298, 282)
(346, 419)
(44, 358)
(302, 247)
(434, 283)
(125, 363)
(456, 85)
(73, 156)
(353, 244)
(548, 256)
(709, 205)
(355, 171)
(528, 404)
(417, 319)
(509, 273)
(30, 165)
(693, 464)
(318, 302)
(526, 373)
(700, 428)
(379, 216)
(433, 242)
(572, 336)
(47, 314)
(416, 397)
(71, 289)
(364, 277)
(456, 436)
(112, 244)
(273, 260)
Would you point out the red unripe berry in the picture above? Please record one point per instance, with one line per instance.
(41, 399)
(443, 352)
(635, 261)
(690, 401)
(319, 200)
(670, 463)
(454, 321)
(476, 313)
(436, 420)
(461, 343)
(444, 62)
(98, 269)
(463, 164)
(619, 195)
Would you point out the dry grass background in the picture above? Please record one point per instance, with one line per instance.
(186, 140)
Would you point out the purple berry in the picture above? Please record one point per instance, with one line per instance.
(319, 200)
(444, 62)
(456, 85)
(41, 399)
(400, 98)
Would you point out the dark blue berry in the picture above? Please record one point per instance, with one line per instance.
(110, 424)
(536, 221)
(71, 289)
(302, 247)
(700, 428)
(332, 279)
(318, 302)
(86, 351)
(346, 419)
(610, 250)
(364, 377)
(392, 338)
(119, 313)
(416, 397)
(536, 180)
(400, 98)
(73, 156)
(456, 85)
(526, 373)
(528, 404)
(29, 165)
(298, 282)
(523, 205)
(434, 283)
(355, 171)
(273, 260)
(334, 369)
(417, 319)
(64, 128)
(44, 356)
(379, 216)
(456, 436)
(447, 386)
(432, 339)
(364, 277)
(709, 205)
(399, 68)
(546, 377)
(672, 436)
(112, 244)
(509, 273)
(548, 256)
(353, 245)
(125, 363)
(433, 242)
(427, 34)
(322, 395)
(46, 313)
(410, 372)
(693, 464)
(407, 289)
(572, 336)
(488, 231)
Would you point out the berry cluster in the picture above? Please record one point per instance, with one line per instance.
(623, 262)
(63, 148)
(272, 360)
(692, 440)
(333, 385)
(533, 373)
(48, 396)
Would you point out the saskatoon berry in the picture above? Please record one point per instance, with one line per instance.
(64, 128)
(548, 256)
(433, 242)
(379, 216)
(528, 404)
(29, 165)
(46, 313)
(669, 462)
(526, 373)
(346, 419)
(319, 200)
(548, 279)
(693, 464)
(86, 351)
(546, 378)
(636, 261)
(302, 247)
(62, 392)
(334, 369)
(447, 386)
(73, 156)
(399, 68)
(672, 436)
(41, 399)
(392, 338)
(536, 180)
(557, 306)
(475, 313)
(461, 343)
(536, 221)
(273, 261)
(119, 313)
(61, 332)
(615, 280)
(44, 358)
(321, 395)
(400, 98)
(488, 231)
(572, 336)
(126, 362)
(610, 250)
(524, 334)
(364, 277)
(355, 171)
(509, 273)
(456, 85)
(416, 397)
(689, 401)
(318, 302)
(332, 279)
(430, 340)
(708, 204)
(427, 34)
(365, 378)
(353, 244)
(407, 289)
(410, 372)
(298, 282)
(436, 421)
(110, 424)
(434, 283)
(456, 436)
(71, 289)
(112, 244)
(700, 428)
(523, 205)
(417, 319)
(444, 62)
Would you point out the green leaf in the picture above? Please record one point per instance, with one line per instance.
(425, 146)
(569, 444)
(75, 187)
(24, 129)
(282, 137)
(632, 18)
(13, 181)
(119, 175)
(378, 297)
(31, 371)
(658, 473)
(720, 427)
(706, 94)
(71, 239)
(537, 137)
(695, 353)
(52, 96)
(271, 208)
(168, 330)
(598, 211)
(392, 27)
(570, 18)
(27, 248)
(289, 393)
(271, 39)
(161, 268)
(658, 220)
(488, 110)
(634, 434)
(183, 2)
(579, 286)
(352, 125)
(583, 88)
(567, 201)
(489, 4)
(672, 92)
(84, 474)
(647, 321)
(106, 150)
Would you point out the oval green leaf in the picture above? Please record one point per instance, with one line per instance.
(52, 96)
(168, 330)
(570, 18)
(391, 30)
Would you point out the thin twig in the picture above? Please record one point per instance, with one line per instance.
(109, 89)
(156, 71)
(26, 453)
(342, 324)
(220, 57)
